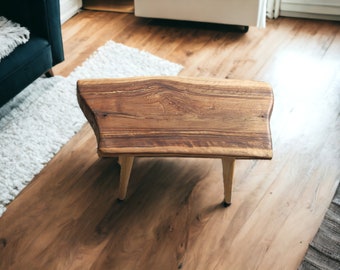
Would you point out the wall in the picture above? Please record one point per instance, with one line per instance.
(68, 8)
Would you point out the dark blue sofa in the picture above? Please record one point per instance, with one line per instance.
(44, 49)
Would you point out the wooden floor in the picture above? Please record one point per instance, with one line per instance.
(68, 216)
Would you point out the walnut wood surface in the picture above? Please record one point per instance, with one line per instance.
(179, 116)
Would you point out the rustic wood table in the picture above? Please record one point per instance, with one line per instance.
(179, 117)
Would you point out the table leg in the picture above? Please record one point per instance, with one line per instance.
(126, 163)
(228, 173)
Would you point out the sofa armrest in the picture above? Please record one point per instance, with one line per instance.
(41, 17)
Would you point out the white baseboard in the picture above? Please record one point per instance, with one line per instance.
(310, 16)
(314, 9)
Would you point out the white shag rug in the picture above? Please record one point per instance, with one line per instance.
(44, 116)
(11, 36)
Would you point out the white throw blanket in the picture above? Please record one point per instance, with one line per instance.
(11, 36)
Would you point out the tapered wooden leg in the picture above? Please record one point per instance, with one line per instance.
(228, 173)
(126, 163)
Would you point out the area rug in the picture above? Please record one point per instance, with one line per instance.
(324, 251)
(43, 117)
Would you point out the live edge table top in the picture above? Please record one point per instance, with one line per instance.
(179, 116)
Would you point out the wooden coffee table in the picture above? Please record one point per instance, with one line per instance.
(178, 117)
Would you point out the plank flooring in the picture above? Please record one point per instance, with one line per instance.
(68, 216)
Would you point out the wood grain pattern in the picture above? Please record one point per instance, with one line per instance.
(179, 116)
(68, 216)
